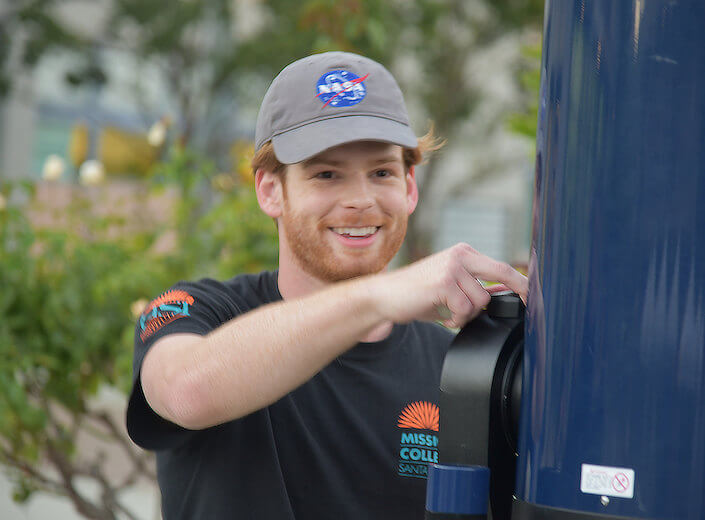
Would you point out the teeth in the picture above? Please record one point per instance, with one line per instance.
(355, 232)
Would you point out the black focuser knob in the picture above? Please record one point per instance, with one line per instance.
(505, 305)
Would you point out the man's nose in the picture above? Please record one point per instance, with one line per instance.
(358, 195)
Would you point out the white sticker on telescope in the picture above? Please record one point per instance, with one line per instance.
(606, 480)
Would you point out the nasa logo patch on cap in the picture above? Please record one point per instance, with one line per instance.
(341, 88)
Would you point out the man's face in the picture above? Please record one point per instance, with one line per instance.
(345, 210)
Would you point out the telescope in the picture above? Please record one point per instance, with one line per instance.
(590, 403)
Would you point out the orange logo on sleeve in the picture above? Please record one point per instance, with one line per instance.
(173, 296)
(168, 307)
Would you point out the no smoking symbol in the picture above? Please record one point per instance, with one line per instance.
(620, 483)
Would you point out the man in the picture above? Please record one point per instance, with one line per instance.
(311, 392)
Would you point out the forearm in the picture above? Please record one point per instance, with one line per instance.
(258, 357)
(254, 359)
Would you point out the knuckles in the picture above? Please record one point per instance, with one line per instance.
(464, 249)
(448, 279)
(460, 250)
(504, 269)
(484, 298)
(465, 308)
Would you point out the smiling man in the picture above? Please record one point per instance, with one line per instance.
(311, 391)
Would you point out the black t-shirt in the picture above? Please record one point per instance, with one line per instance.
(353, 442)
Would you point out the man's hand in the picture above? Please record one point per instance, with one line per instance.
(444, 286)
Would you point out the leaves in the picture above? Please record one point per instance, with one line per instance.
(529, 75)
(67, 326)
(65, 305)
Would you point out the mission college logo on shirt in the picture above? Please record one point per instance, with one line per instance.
(170, 306)
(417, 447)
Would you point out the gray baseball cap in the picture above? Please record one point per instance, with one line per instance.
(329, 99)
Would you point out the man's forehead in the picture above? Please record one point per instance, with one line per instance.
(372, 151)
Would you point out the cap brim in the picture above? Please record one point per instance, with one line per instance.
(306, 141)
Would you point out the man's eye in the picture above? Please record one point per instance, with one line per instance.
(383, 173)
(325, 175)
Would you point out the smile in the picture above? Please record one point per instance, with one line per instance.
(355, 232)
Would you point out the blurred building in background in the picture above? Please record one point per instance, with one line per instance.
(104, 118)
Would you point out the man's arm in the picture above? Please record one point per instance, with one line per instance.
(258, 357)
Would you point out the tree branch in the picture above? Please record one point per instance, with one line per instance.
(47, 483)
(67, 472)
(139, 462)
(108, 496)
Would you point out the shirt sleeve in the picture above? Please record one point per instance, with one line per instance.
(196, 308)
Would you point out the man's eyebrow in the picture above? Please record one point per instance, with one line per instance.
(387, 159)
(321, 160)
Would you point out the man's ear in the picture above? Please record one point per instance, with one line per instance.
(412, 191)
(268, 187)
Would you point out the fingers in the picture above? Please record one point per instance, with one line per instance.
(459, 306)
(494, 289)
(487, 268)
(475, 292)
(466, 300)
(444, 286)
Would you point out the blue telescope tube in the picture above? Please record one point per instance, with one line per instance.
(613, 405)
(457, 492)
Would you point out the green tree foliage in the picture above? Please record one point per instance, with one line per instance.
(219, 227)
(64, 332)
(525, 122)
(67, 323)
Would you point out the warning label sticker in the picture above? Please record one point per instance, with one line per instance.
(606, 480)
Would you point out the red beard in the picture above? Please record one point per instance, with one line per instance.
(315, 252)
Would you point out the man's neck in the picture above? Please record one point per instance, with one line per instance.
(294, 282)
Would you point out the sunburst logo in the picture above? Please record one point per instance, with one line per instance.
(420, 415)
(168, 307)
(173, 296)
